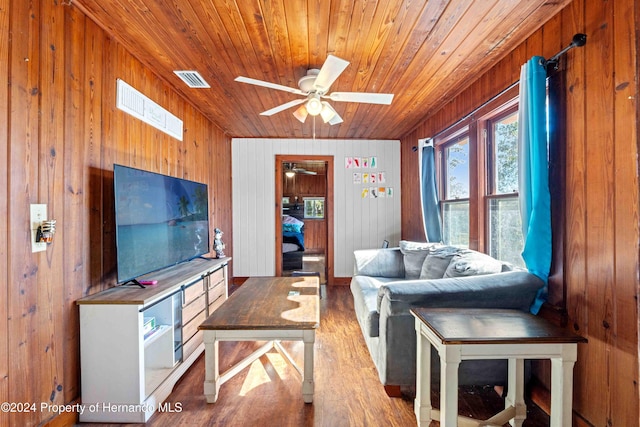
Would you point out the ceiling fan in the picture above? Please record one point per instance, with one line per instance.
(290, 169)
(315, 87)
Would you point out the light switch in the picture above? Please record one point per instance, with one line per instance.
(38, 214)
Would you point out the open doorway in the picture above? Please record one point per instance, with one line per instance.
(304, 199)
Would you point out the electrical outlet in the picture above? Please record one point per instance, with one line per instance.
(38, 214)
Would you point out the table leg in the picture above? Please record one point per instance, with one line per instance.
(450, 358)
(309, 337)
(422, 404)
(211, 371)
(562, 386)
(515, 393)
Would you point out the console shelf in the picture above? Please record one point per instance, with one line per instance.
(125, 376)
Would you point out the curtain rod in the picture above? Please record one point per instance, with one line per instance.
(577, 41)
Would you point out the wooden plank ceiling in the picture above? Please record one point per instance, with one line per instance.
(422, 51)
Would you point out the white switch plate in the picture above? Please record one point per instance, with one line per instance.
(38, 214)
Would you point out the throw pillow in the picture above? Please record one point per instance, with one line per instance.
(437, 261)
(472, 263)
(288, 219)
(414, 254)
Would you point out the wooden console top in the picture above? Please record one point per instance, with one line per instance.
(167, 278)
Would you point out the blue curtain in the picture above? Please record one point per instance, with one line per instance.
(535, 200)
(430, 207)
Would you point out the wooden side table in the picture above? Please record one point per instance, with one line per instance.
(463, 334)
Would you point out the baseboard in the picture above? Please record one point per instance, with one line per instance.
(64, 419)
(341, 281)
(540, 395)
(393, 390)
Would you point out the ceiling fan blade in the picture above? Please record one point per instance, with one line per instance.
(303, 171)
(365, 97)
(269, 85)
(331, 69)
(283, 107)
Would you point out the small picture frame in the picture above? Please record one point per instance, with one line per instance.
(314, 207)
(285, 201)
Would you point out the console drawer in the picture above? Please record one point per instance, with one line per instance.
(190, 328)
(216, 291)
(216, 296)
(215, 304)
(192, 291)
(216, 277)
(189, 311)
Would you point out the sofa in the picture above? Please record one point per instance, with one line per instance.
(387, 283)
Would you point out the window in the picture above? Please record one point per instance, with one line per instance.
(478, 182)
(504, 236)
(455, 206)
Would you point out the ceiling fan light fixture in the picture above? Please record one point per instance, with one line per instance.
(290, 174)
(327, 113)
(301, 114)
(314, 105)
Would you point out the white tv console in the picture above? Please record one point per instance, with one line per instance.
(125, 375)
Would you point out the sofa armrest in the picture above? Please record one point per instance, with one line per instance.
(378, 263)
(514, 290)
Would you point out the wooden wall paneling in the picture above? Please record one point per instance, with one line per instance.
(4, 206)
(575, 263)
(98, 175)
(75, 264)
(101, 167)
(624, 387)
(23, 190)
(600, 205)
(52, 309)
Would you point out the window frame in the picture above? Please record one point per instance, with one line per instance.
(475, 127)
(441, 143)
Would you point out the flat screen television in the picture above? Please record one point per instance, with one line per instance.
(160, 221)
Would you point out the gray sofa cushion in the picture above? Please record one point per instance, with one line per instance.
(414, 256)
(379, 263)
(472, 263)
(365, 295)
(437, 260)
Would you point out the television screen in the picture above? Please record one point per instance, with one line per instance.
(160, 221)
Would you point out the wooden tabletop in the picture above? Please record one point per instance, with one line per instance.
(492, 326)
(270, 303)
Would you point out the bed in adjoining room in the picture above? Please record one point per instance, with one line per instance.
(292, 242)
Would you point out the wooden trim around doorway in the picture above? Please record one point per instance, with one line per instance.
(291, 158)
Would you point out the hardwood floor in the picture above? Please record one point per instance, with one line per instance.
(347, 389)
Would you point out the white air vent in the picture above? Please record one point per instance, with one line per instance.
(131, 101)
(192, 79)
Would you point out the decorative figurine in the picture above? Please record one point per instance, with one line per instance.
(218, 246)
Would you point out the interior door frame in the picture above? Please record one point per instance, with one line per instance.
(296, 158)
